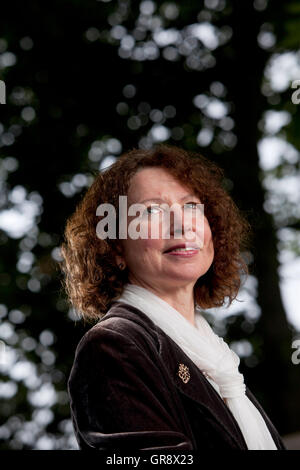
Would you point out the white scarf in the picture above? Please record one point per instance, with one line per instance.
(211, 355)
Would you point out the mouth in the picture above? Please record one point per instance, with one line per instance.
(187, 249)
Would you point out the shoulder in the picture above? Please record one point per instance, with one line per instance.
(120, 330)
(113, 347)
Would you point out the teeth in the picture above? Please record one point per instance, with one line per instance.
(185, 249)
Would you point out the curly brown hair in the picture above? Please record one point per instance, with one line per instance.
(92, 278)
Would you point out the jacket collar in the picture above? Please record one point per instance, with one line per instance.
(172, 356)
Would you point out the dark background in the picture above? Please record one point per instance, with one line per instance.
(87, 80)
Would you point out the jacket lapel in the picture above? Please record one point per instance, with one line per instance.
(188, 378)
(190, 381)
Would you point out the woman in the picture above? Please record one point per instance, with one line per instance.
(151, 374)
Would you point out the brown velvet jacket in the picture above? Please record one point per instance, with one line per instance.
(128, 392)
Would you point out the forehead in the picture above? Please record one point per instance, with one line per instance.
(155, 182)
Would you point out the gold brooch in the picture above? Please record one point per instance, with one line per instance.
(184, 373)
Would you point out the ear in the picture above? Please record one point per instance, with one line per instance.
(119, 258)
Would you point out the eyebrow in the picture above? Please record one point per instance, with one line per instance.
(161, 200)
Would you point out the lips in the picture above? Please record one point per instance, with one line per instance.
(182, 245)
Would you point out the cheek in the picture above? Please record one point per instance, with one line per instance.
(207, 234)
(144, 247)
(152, 244)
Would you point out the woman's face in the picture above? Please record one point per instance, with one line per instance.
(146, 259)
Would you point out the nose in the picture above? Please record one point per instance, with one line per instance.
(182, 224)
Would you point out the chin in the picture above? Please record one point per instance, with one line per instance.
(185, 276)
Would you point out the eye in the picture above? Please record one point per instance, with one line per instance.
(194, 203)
(150, 208)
